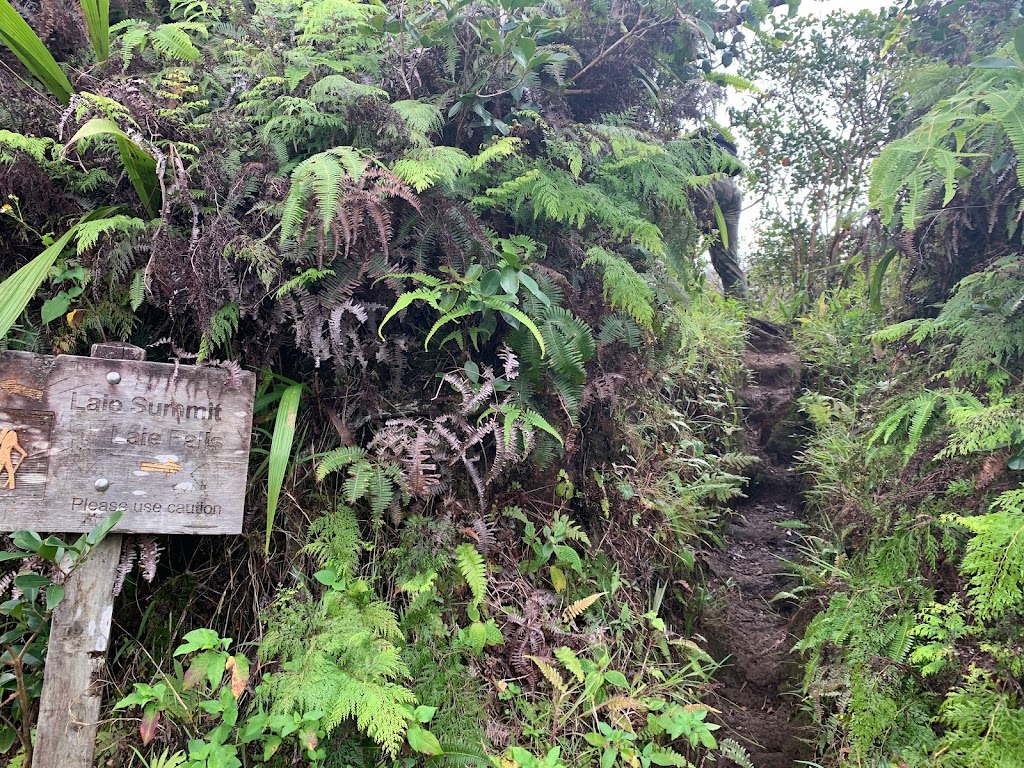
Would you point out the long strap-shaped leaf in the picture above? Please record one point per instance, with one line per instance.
(97, 20)
(18, 289)
(17, 35)
(139, 164)
(281, 451)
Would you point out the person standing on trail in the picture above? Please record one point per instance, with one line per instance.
(727, 203)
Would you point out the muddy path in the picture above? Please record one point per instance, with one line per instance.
(744, 627)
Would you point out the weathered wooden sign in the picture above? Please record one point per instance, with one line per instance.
(82, 437)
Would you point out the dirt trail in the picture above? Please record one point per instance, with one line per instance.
(745, 628)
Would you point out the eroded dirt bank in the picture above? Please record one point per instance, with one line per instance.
(744, 627)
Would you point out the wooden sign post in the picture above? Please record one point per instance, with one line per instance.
(84, 437)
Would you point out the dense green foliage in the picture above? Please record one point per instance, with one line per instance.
(914, 658)
(496, 412)
(497, 418)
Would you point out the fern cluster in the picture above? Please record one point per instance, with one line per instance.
(340, 653)
(338, 656)
(994, 558)
(984, 115)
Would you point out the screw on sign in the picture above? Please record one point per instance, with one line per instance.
(165, 446)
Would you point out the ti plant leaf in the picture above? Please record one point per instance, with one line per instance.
(138, 163)
(281, 451)
(17, 35)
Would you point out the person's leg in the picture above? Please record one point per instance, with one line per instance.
(725, 255)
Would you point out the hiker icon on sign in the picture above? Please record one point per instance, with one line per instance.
(8, 446)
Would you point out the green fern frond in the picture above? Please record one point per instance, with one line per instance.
(42, 150)
(421, 120)
(732, 750)
(333, 541)
(499, 148)
(223, 325)
(571, 662)
(622, 329)
(624, 287)
(334, 88)
(473, 569)
(921, 414)
(137, 290)
(90, 232)
(425, 168)
(917, 416)
(338, 656)
(461, 756)
(320, 176)
(338, 458)
(359, 481)
(994, 558)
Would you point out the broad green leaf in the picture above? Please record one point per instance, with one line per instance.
(138, 164)
(423, 741)
(7, 737)
(423, 713)
(198, 640)
(328, 576)
(141, 169)
(97, 21)
(490, 282)
(616, 678)
(27, 581)
(877, 276)
(17, 35)
(558, 581)
(54, 595)
(18, 289)
(253, 728)
(995, 62)
(30, 541)
(510, 280)
(54, 308)
(1018, 42)
(532, 287)
(102, 528)
(281, 451)
(52, 549)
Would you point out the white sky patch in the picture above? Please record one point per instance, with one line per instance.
(824, 7)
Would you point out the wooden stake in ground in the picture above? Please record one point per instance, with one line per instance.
(69, 708)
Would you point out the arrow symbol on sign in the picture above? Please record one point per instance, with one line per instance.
(167, 467)
(12, 387)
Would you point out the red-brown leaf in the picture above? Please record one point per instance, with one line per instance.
(147, 728)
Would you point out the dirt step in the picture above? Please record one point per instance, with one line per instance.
(777, 370)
